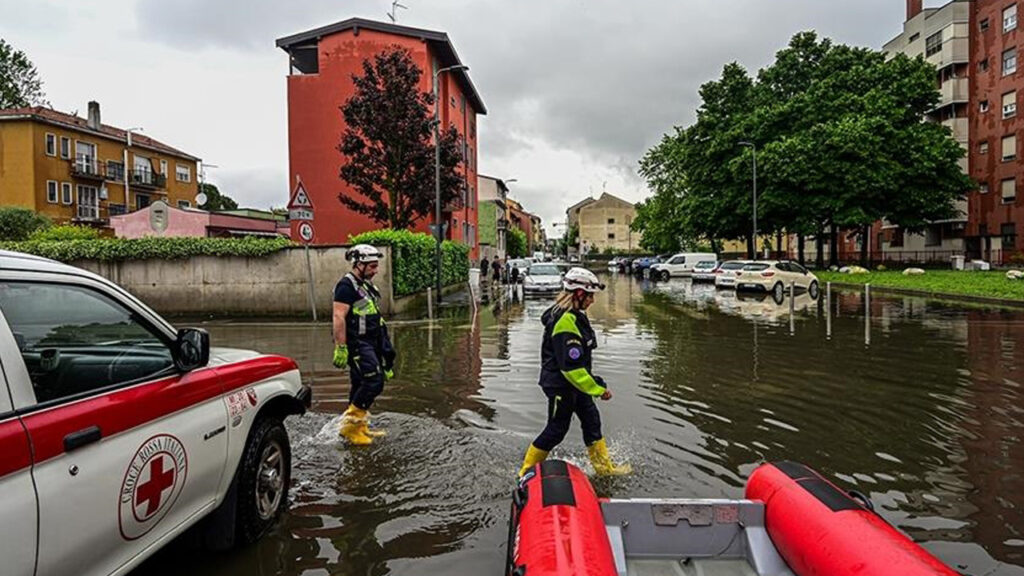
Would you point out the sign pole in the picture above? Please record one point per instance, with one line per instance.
(312, 283)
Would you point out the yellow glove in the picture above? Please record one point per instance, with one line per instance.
(340, 356)
(389, 374)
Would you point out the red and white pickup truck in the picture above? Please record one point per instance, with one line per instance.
(118, 433)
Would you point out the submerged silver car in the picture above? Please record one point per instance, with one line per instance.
(542, 278)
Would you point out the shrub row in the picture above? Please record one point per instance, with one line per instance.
(115, 249)
(414, 259)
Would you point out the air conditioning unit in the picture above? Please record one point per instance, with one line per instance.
(103, 192)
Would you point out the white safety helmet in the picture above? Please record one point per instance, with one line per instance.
(363, 253)
(581, 279)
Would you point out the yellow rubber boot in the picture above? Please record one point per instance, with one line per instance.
(533, 456)
(352, 425)
(602, 462)
(372, 433)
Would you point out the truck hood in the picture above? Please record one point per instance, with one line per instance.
(222, 356)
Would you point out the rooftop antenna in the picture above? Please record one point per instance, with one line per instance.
(393, 15)
(604, 187)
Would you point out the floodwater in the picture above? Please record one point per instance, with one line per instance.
(920, 408)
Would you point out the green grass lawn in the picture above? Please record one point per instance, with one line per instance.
(988, 284)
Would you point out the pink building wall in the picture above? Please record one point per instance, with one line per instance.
(194, 223)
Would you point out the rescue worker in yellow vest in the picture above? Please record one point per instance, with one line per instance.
(361, 342)
(567, 377)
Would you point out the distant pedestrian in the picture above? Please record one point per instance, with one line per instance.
(514, 274)
(496, 271)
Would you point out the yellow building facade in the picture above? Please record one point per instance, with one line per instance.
(78, 170)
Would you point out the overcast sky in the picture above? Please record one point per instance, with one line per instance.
(576, 90)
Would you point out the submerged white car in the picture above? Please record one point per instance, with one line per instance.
(725, 274)
(777, 277)
(542, 278)
(119, 432)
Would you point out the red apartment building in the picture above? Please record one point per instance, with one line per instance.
(322, 62)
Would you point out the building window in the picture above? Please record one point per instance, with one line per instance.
(51, 191)
(163, 167)
(184, 204)
(141, 201)
(983, 188)
(1009, 189)
(1009, 234)
(611, 235)
(611, 220)
(88, 203)
(453, 101)
(1010, 18)
(983, 106)
(1010, 104)
(933, 44)
(897, 238)
(51, 144)
(182, 173)
(933, 236)
(984, 24)
(115, 170)
(66, 196)
(913, 37)
(65, 147)
(983, 148)
(983, 65)
(1010, 61)
(1009, 147)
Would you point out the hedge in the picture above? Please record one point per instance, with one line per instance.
(414, 259)
(17, 224)
(115, 249)
(65, 234)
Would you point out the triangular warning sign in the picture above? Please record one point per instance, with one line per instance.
(300, 199)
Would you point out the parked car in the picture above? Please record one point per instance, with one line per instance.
(725, 274)
(704, 271)
(680, 265)
(642, 264)
(777, 277)
(542, 278)
(613, 265)
(119, 432)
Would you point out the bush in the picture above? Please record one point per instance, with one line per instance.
(414, 259)
(65, 233)
(18, 224)
(115, 249)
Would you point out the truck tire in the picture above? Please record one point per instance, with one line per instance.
(665, 275)
(264, 475)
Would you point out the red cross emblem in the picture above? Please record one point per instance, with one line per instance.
(150, 492)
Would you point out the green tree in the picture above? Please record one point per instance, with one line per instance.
(18, 223)
(215, 200)
(388, 144)
(515, 243)
(20, 84)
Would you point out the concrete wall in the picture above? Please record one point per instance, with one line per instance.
(274, 285)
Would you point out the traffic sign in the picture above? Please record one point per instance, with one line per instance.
(306, 232)
(300, 199)
(300, 214)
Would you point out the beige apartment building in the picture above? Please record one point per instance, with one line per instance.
(604, 223)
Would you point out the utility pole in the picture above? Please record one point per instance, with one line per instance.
(753, 149)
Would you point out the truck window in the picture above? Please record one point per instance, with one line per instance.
(75, 340)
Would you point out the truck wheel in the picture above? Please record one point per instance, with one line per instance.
(778, 291)
(813, 290)
(264, 475)
(665, 275)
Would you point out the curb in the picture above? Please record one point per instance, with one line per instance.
(934, 295)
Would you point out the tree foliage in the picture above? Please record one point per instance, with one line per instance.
(515, 243)
(842, 141)
(388, 144)
(215, 200)
(17, 223)
(414, 259)
(20, 84)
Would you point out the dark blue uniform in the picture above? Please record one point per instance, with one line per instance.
(366, 334)
(566, 377)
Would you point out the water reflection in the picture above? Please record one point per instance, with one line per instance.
(926, 419)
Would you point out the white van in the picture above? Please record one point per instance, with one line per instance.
(680, 265)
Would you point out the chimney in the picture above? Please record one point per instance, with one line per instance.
(94, 115)
(914, 7)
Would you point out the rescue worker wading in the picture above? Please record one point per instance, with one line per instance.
(566, 375)
(361, 342)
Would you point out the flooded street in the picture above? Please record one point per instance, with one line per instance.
(921, 409)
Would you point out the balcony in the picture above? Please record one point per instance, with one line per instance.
(148, 179)
(954, 51)
(954, 91)
(959, 128)
(91, 214)
(86, 168)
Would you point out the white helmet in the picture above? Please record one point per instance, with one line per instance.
(363, 253)
(581, 279)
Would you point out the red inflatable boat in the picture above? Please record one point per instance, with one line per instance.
(793, 523)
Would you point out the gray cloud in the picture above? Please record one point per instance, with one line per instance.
(601, 78)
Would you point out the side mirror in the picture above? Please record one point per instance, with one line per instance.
(191, 349)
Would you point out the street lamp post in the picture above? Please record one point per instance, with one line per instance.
(437, 171)
(753, 149)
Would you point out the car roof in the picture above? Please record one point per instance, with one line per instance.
(30, 263)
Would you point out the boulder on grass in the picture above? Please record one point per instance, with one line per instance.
(854, 270)
(913, 272)
(1014, 275)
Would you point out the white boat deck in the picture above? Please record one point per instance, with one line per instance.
(689, 568)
